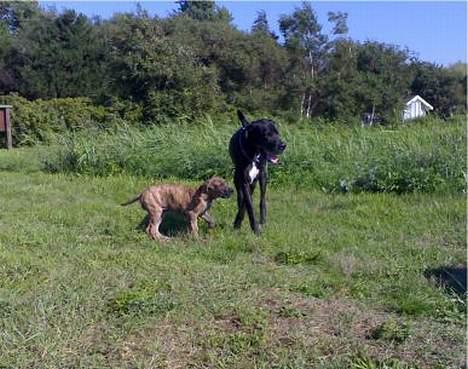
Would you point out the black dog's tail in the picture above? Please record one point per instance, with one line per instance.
(242, 118)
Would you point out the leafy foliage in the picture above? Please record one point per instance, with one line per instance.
(195, 61)
(444, 89)
(54, 56)
(40, 120)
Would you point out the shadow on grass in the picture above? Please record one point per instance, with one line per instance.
(173, 224)
(451, 278)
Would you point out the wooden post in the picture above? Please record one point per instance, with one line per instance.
(8, 129)
(5, 124)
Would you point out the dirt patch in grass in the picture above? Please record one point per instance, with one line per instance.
(166, 345)
(351, 264)
(283, 328)
(162, 344)
(347, 327)
(316, 328)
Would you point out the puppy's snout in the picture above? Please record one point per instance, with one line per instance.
(228, 192)
(282, 146)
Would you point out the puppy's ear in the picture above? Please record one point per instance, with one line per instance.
(203, 188)
(242, 118)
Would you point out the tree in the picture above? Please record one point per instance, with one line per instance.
(384, 78)
(340, 20)
(459, 68)
(260, 25)
(204, 10)
(362, 78)
(197, 61)
(154, 69)
(58, 56)
(339, 83)
(443, 88)
(6, 76)
(15, 14)
(307, 46)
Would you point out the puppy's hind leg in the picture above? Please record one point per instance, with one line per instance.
(153, 226)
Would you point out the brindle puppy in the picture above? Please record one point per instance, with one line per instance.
(192, 202)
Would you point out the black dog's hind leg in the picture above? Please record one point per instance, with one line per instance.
(240, 205)
(263, 185)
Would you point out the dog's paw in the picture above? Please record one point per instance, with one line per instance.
(257, 230)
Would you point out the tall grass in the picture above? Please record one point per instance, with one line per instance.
(421, 157)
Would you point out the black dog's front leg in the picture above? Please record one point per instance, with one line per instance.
(263, 185)
(246, 191)
(244, 201)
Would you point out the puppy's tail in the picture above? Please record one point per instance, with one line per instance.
(242, 118)
(131, 201)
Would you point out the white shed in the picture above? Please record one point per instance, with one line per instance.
(416, 107)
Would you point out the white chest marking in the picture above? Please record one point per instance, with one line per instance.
(253, 172)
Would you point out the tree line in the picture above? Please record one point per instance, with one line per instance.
(196, 61)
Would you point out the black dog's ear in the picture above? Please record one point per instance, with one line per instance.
(242, 118)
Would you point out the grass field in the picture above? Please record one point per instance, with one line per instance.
(335, 281)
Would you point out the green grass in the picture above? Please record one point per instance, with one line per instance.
(423, 157)
(335, 280)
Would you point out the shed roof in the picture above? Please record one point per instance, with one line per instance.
(419, 98)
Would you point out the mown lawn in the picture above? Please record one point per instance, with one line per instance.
(335, 281)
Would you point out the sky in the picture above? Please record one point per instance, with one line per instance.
(436, 31)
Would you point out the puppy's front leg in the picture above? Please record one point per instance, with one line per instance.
(192, 217)
(208, 219)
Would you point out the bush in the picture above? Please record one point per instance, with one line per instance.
(423, 157)
(41, 120)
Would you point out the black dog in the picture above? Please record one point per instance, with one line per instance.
(251, 148)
